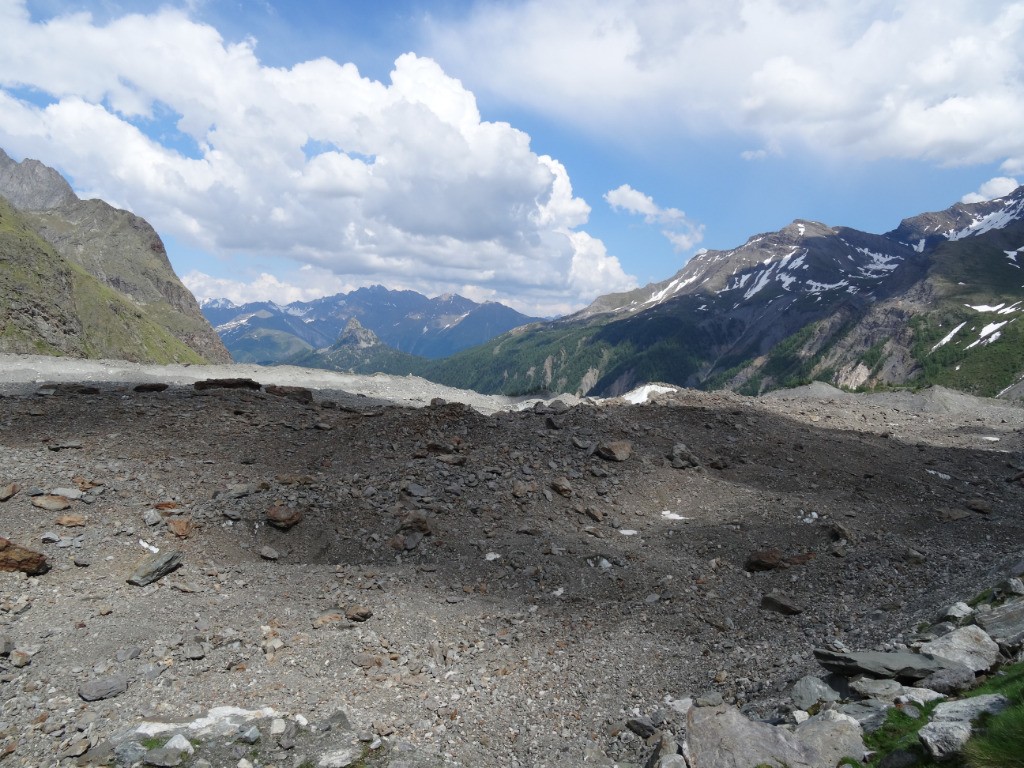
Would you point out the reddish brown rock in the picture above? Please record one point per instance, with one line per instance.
(16, 558)
(764, 560)
(284, 517)
(71, 521)
(181, 526)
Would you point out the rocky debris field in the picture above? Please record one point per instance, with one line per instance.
(276, 576)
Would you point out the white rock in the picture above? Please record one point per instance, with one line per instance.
(970, 709)
(970, 646)
(944, 739)
(180, 743)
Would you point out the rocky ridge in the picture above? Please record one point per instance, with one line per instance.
(116, 248)
(436, 586)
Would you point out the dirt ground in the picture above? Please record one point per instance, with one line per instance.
(469, 589)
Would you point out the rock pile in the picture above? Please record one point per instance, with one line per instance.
(530, 588)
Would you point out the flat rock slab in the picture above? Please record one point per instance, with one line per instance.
(1005, 623)
(971, 708)
(103, 688)
(51, 502)
(900, 665)
(205, 384)
(721, 737)
(154, 568)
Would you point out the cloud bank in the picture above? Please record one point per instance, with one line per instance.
(911, 79)
(399, 182)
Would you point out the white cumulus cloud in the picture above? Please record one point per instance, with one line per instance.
(676, 226)
(919, 79)
(991, 189)
(391, 182)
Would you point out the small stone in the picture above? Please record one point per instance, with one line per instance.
(284, 517)
(193, 651)
(269, 553)
(180, 526)
(71, 521)
(154, 567)
(250, 735)
(779, 604)
(8, 491)
(51, 503)
(764, 560)
(981, 506)
(709, 699)
(562, 486)
(642, 727)
(358, 613)
(76, 748)
(329, 619)
(19, 658)
(615, 450)
(103, 688)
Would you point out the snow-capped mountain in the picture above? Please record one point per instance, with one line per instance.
(808, 301)
(265, 332)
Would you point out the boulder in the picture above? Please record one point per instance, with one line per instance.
(900, 665)
(721, 737)
(944, 739)
(809, 691)
(1005, 623)
(970, 646)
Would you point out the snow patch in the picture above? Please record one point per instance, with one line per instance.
(949, 336)
(815, 287)
(643, 394)
(988, 334)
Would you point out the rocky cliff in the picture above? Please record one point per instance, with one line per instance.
(49, 226)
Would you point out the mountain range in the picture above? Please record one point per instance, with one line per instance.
(938, 300)
(84, 279)
(405, 321)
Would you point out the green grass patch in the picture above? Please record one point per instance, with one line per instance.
(899, 731)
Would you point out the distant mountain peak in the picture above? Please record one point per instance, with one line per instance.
(32, 186)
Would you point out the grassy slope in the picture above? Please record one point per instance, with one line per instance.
(51, 306)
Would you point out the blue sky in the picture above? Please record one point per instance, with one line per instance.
(536, 152)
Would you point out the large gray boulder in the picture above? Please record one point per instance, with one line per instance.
(721, 737)
(1005, 623)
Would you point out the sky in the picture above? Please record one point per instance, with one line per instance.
(535, 152)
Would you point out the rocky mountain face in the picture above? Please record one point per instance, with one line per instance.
(406, 321)
(937, 300)
(85, 279)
